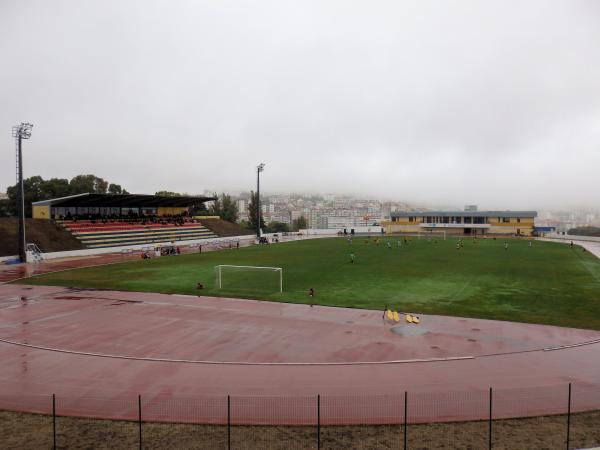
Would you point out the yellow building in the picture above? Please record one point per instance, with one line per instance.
(470, 222)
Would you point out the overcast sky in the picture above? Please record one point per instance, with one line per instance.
(495, 103)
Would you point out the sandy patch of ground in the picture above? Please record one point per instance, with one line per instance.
(35, 431)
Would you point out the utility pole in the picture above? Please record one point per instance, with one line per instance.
(259, 169)
(20, 132)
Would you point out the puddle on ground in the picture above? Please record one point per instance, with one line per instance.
(409, 330)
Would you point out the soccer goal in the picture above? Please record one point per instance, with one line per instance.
(249, 278)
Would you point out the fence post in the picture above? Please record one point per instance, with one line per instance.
(228, 422)
(140, 419)
(53, 422)
(569, 418)
(490, 424)
(405, 420)
(318, 421)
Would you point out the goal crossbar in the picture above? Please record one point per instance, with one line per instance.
(250, 267)
(274, 269)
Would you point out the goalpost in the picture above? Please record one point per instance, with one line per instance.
(245, 275)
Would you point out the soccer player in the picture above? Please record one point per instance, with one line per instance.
(505, 245)
(351, 258)
(389, 245)
(530, 243)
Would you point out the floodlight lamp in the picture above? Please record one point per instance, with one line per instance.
(261, 167)
(23, 131)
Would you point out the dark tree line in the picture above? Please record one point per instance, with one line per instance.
(585, 231)
(225, 207)
(37, 189)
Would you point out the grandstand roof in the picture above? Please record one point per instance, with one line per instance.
(465, 213)
(122, 200)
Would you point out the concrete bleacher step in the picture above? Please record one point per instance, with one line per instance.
(100, 235)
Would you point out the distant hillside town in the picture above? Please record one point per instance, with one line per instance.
(327, 211)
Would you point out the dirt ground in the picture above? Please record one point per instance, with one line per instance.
(48, 236)
(35, 431)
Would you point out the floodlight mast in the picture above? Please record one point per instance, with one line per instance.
(259, 169)
(20, 132)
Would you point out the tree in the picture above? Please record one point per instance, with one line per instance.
(278, 227)
(82, 184)
(585, 231)
(33, 188)
(215, 208)
(36, 189)
(224, 207)
(116, 189)
(253, 220)
(167, 194)
(299, 224)
(4, 208)
(198, 210)
(55, 188)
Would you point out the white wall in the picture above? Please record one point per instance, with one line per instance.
(334, 231)
(101, 251)
(568, 237)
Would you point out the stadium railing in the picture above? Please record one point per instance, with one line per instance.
(564, 416)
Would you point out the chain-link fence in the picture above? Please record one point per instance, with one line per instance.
(549, 417)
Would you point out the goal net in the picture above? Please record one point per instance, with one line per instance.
(249, 278)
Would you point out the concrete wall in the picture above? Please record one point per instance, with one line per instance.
(334, 231)
(173, 211)
(525, 227)
(399, 227)
(101, 251)
(568, 237)
(41, 212)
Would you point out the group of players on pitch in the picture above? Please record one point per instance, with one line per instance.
(377, 241)
(405, 241)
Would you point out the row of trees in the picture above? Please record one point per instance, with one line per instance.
(37, 189)
(585, 231)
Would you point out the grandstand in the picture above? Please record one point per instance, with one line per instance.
(108, 220)
(111, 234)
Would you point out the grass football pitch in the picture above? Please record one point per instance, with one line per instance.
(547, 283)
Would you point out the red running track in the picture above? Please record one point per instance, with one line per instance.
(97, 350)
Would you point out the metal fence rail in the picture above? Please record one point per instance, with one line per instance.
(562, 417)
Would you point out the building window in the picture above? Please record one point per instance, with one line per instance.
(410, 218)
(506, 219)
(518, 220)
